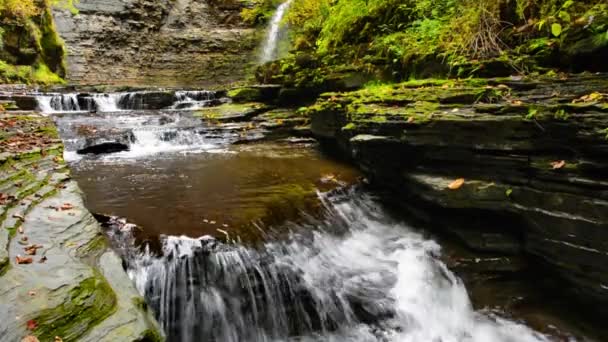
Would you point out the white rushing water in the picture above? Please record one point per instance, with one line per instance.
(54, 103)
(270, 48)
(353, 276)
(116, 102)
(154, 134)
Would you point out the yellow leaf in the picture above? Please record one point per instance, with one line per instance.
(558, 164)
(455, 185)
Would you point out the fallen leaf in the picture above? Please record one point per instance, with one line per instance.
(31, 293)
(411, 119)
(31, 324)
(30, 338)
(43, 260)
(67, 206)
(58, 339)
(558, 164)
(23, 261)
(455, 185)
(18, 216)
(32, 249)
(20, 230)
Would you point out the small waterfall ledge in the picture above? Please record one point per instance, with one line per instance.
(354, 275)
(114, 102)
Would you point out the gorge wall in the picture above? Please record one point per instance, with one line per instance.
(160, 42)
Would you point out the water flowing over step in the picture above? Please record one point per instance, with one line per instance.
(113, 102)
(355, 275)
(147, 133)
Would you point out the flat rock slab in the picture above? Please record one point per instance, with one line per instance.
(57, 275)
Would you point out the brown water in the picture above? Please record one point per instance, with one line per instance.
(207, 193)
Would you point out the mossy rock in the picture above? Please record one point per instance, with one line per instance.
(266, 94)
(243, 95)
(232, 112)
(89, 303)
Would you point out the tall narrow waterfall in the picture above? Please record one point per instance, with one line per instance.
(271, 45)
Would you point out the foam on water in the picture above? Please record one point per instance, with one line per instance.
(354, 276)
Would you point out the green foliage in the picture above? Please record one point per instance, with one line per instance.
(258, 12)
(399, 39)
(31, 50)
(562, 115)
(43, 75)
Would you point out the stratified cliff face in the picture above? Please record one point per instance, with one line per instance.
(159, 42)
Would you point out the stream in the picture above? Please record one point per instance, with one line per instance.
(272, 241)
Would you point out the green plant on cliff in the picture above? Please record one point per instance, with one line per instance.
(258, 12)
(398, 39)
(31, 50)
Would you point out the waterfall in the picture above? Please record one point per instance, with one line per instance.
(355, 275)
(270, 49)
(115, 102)
(154, 133)
(193, 99)
(106, 102)
(52, 103)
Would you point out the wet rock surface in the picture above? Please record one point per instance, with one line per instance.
(58, 277)
(108, 141)
(531, 154)
(161, 42)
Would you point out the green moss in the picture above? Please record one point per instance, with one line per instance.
(258, 12)
(43, 75)
(5, 265)
(151, 335)
(87, 304)
(94, 247)
(229, 110)
(349, 127)
(246, 94)
(140, 303)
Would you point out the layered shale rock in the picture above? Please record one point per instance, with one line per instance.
(57, 275)
(160, 42)
(532, 154)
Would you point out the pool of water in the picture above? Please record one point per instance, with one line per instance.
(301, 252)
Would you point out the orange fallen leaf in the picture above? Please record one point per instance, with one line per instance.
(23, 261)
(30, 338)
(67, 206)
(31, 324)
(558, 164)
(455, 185)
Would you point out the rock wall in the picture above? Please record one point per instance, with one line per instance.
(156, 42)
(531, 155)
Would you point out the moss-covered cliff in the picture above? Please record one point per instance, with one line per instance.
(395, 40)
(31, 51)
